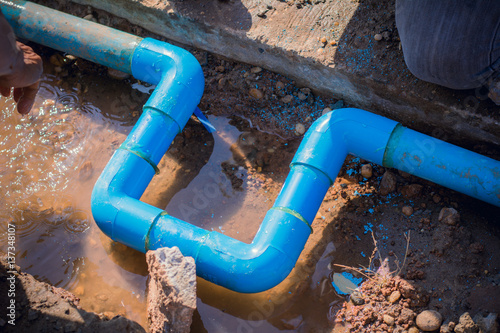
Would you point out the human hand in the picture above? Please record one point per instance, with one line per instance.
(24, 77)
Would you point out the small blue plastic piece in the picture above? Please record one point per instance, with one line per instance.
(277, 245)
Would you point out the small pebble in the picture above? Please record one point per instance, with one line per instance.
(255, 70)
(287, 99)
(333, 42)
(116, 74)
(305, 91)
(389, 320)
(378, 37)
(300, 129)
(449, 216)
(429, 320)
(320, 51)
(256, 93)
(89, 17)
(367, 170)
(323, 40)
(325, 111)
(413, 330)
(220, 69)
(280, 85)
(357, 298)
(407, 210)
(301, 96)
(395, 296)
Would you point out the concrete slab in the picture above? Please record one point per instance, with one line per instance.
(348, 63)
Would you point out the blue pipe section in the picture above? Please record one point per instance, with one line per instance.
(445, 164)
(66, 33)
(285, 229)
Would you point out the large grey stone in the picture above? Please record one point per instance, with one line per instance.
(171, 290)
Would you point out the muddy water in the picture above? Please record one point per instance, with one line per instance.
(49, 161)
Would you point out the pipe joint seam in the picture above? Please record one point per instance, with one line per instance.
(294, 214)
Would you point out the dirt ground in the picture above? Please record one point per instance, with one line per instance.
(441, 248)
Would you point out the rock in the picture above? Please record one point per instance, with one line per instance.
(476, 247)
(300, 129)
(280, 85)
(301, 96)
(287, 99)
(406, 315)
(413, 329)
(221, 69)
(487, 324)
(256, 93)
(323, 40)
(325, 111)
(429, 320)
(367, 170)
(449, 216)
(305, 91)
(338, 105)
(389, 320)
(445, 328)
(171, 290)
(466, 324)
(70, 57)
(411, 191)
(395, 296)
(255, 70)
(388, 183)
(407, 210)
(90, 17)
(378, 37)
(357, 298)
(116, 74)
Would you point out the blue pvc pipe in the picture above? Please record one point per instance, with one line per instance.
(445, 164)
(64, 32)
(277, 245)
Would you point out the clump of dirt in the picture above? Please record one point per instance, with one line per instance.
(384, 304)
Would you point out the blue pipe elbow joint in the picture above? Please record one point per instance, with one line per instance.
(179, 84)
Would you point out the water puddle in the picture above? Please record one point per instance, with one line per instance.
(49, 161)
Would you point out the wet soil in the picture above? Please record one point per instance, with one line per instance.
(451, 266)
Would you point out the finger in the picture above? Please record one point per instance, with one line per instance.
(28, 98)
(5, 91)
(32, 66)
(18, 92)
